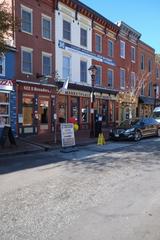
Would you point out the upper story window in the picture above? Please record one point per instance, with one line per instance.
(142, 88)
(83, 37)
(110, 48)
(66, 67)
(46, 27)
(122, 49)
(157, 72)
(26, 60)
(122, 78)
(149, 65)
(2, 65)
(133, 80)
(83, 71)
(133, 54)
(46, 64)
(150, 88)
(98, 43)
(26, 19)
(142, 62)
(98, 78)
(66, 30)
(110, 78)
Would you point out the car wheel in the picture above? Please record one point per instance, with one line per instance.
(158, 132)
(137, 136)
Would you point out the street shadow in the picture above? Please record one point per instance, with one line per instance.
(144, 154)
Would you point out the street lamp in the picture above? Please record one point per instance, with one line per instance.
(92, 70)
(155, 92)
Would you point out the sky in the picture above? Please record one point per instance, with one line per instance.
(142, 15)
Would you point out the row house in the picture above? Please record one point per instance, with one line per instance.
(7, 90)
(84, 38)
(146, 79)
(127, 64)
(157, 82)
(35, 59)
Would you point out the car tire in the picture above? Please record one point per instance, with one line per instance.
(137, 136)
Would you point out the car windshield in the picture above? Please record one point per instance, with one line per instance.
(156, 115)
(128, 123)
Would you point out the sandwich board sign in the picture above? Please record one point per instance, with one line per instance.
(67, 135)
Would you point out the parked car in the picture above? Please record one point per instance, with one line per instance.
(156, 114)
(136, 129)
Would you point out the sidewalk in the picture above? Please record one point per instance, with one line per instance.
(34, 144)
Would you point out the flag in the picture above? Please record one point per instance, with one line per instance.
(65, 86)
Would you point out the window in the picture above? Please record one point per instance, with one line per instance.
(2, 65)
(43, 111)
(122, 49)
(83, 37)
(83, 71)
(4, 109)
(157, 72)
(142, 62)
(110, 78)
(26, 19)
(142, 88)
(26, 60)
(98, 43)
(150, 88)
(27, 111)
(122, 78)
(133, 54)
(46, 64)
(133, 80)
(66, 30)
(149, 65)
(98, 76)
(66, 67)
(110, 48)
(46, 27)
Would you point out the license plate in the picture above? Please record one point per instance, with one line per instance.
(116, 135)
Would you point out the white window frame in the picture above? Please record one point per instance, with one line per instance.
(3, 64)
(49, 55)
(85, 29)
(98, 50)
(31, 12)
(70, 58)
(100, 82)
(70, 30)
(112, 50)
(133, 80)
(112, 85)
(29, 50)
(122, 49)
(133, 54)
(122, 86)
(49, 19)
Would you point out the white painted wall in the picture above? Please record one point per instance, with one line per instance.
(68, 14)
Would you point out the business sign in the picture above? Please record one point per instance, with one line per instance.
(67, 135)
(6, 84)
(85, 52)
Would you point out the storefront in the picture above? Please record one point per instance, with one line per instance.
(36, 108)
(146, 106)
(128, 105)
(76, 104)
(7, 105)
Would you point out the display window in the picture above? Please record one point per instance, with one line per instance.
(62, 110)
(27, 111)
(4, 109)
(85, 110)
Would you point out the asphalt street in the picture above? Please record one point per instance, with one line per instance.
(95, 193)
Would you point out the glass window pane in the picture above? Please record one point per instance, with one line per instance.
(66, 30)
(46, 28)
(26, 21)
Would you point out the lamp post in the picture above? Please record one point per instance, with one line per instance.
(155, 92)
(92, 70)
